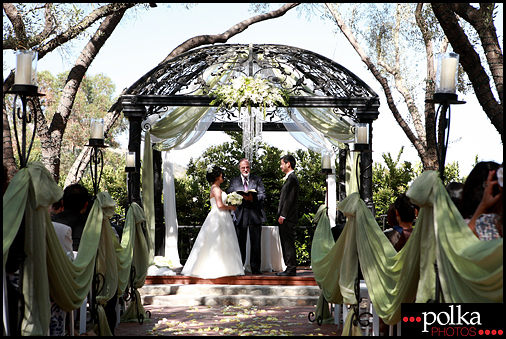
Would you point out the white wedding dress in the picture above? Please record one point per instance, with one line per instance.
(216, 250)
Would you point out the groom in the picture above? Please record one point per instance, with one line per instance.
(250, 214)
(288, 215)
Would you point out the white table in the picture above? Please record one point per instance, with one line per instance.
(272, 256)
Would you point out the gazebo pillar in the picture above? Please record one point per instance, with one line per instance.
(343, 152)
(367, 115)
(159, 217)
(135, 114)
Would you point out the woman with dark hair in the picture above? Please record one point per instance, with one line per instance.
(474, 188)
(486, 222)
(405, 215)
(216, 251)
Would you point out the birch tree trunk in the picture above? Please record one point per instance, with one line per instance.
(427, 155)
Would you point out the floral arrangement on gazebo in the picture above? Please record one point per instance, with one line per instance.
(250, 91)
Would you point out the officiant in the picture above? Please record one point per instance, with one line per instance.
(250, 215)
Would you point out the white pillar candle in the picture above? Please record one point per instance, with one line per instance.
(326, 161)
(448, 72)
(361, 134)
(23, 68)
(130, 159)
(97, 129)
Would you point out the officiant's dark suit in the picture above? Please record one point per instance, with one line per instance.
(250, 214)
(288, 215)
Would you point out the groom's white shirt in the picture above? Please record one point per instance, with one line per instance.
(287, 174)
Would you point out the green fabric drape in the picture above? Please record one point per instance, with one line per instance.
(47, 269)
(470, 270)
(140, 262)
(29, 193)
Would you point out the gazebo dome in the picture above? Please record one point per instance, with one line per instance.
(311, 80)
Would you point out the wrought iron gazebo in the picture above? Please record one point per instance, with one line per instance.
(314, 83)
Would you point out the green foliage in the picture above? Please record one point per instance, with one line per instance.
(303, 241)
(112, 181)
(396, 177)
(390, 181)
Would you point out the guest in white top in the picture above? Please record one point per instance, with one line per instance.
(57, 321)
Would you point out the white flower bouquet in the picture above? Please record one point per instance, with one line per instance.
(162, 261)
(234, 199)
(249, 91)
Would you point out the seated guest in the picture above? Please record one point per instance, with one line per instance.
(405, 213)
(56, 208)
(75, 201)
(393, 233)
(57, 320)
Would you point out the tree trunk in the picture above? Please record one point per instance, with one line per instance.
(482, 20)
(8, 157)
(51, 141)
(428, 159)
(471, 63)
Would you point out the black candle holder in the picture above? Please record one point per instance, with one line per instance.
(361, 148)
(25, 94)
(444, 100)
(97, 158)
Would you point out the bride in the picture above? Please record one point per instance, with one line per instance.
(216, 250)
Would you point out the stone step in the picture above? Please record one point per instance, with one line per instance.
(244, 295)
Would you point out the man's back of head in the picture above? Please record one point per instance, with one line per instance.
(75, 198)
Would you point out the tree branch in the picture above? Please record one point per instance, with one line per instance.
(234, 30)
(89, 20)
(21, 41)
(483, 22)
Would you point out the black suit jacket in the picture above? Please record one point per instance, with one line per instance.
(289, 199)
(256, 212)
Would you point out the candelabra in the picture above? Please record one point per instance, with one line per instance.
(96, 141)
(25, 89)
(444, 96)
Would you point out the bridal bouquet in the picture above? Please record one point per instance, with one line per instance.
(234, 199)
